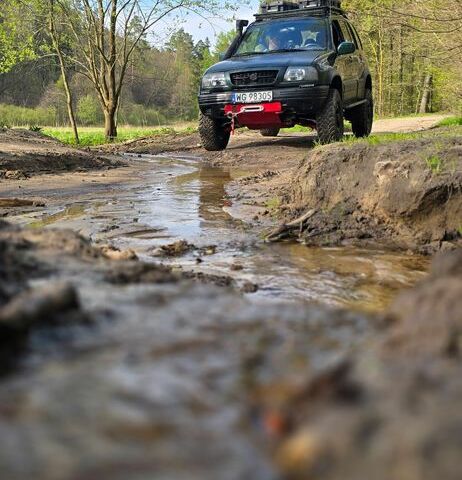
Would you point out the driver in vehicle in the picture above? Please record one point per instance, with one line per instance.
(273, 40)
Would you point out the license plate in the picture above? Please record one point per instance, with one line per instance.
(252, 97)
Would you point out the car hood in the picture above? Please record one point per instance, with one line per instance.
(268, 60)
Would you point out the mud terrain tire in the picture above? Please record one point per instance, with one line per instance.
(362, 117)
(330, 119)
(213, 135)
(270, 132)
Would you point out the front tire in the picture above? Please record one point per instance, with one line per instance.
(214, 135)
(330, 119)
(362, 117)
(270, 132)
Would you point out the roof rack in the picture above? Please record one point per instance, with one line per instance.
(305, 12)
(276, 8)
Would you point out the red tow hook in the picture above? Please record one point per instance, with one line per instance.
(255, 116)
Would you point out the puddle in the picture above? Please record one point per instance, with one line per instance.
(180, 198)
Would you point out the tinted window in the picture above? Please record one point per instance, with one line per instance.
(347, 32)
(359, 44)
(306, 34)
(337, 33)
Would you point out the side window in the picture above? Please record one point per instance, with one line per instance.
(359, 44)
(347, 32)
(337, 33)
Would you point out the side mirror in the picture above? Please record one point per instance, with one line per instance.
(222, 56)
(240, 25)
(345, 48)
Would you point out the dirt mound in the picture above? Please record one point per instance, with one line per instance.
(407, 192)
(153, 145)
(391, 411)
(24, 153)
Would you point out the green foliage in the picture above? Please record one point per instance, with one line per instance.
(89, 111)
(20, 116)
(139, 115)
(450, 122)
(224, 40)
(273, 204)
(434, 163)
(381, 138)
(95, 136)
(16, 38)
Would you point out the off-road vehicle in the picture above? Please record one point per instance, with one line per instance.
(299, 63)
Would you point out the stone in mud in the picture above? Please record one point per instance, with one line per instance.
(249, 287)
(113, 253)
(236, 267)
(176, 249)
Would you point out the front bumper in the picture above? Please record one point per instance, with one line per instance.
(302, 102)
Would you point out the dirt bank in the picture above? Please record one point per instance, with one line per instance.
(24, 153)
(390, 411)
(408, 193)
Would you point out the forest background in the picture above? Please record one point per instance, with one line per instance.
(414, 48)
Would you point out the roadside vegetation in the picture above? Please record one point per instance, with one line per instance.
(93, 136)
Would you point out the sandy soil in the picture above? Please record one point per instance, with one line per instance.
(24, 153)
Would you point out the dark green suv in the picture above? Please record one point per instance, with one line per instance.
(297, 64)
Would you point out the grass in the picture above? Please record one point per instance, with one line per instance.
(450, 122)
(381, 138)
(93, 136)
(434, 163)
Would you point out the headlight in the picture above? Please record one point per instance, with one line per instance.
(300, 74)
(212, 80)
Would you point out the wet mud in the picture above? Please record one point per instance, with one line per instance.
(183, 213)
(148, 331)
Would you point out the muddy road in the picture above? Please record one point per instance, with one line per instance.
(179, 197)
(147, 330)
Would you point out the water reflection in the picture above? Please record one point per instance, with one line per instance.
(182, 198)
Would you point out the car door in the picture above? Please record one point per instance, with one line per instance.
(356, 64)
(343, 64)
(362, 68)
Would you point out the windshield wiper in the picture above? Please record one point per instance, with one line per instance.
(283, 50)
(247, 54)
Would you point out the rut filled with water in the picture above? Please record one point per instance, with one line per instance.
(181, 198)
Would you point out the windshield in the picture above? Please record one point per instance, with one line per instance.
(305, 34)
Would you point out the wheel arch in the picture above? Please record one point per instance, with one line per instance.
(368, 82)
(337, 83)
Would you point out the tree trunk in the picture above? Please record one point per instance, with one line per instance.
(62, 65)
(426, 95)
(110, 125)
(70, 106)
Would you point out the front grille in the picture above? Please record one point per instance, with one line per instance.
(264, 77)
